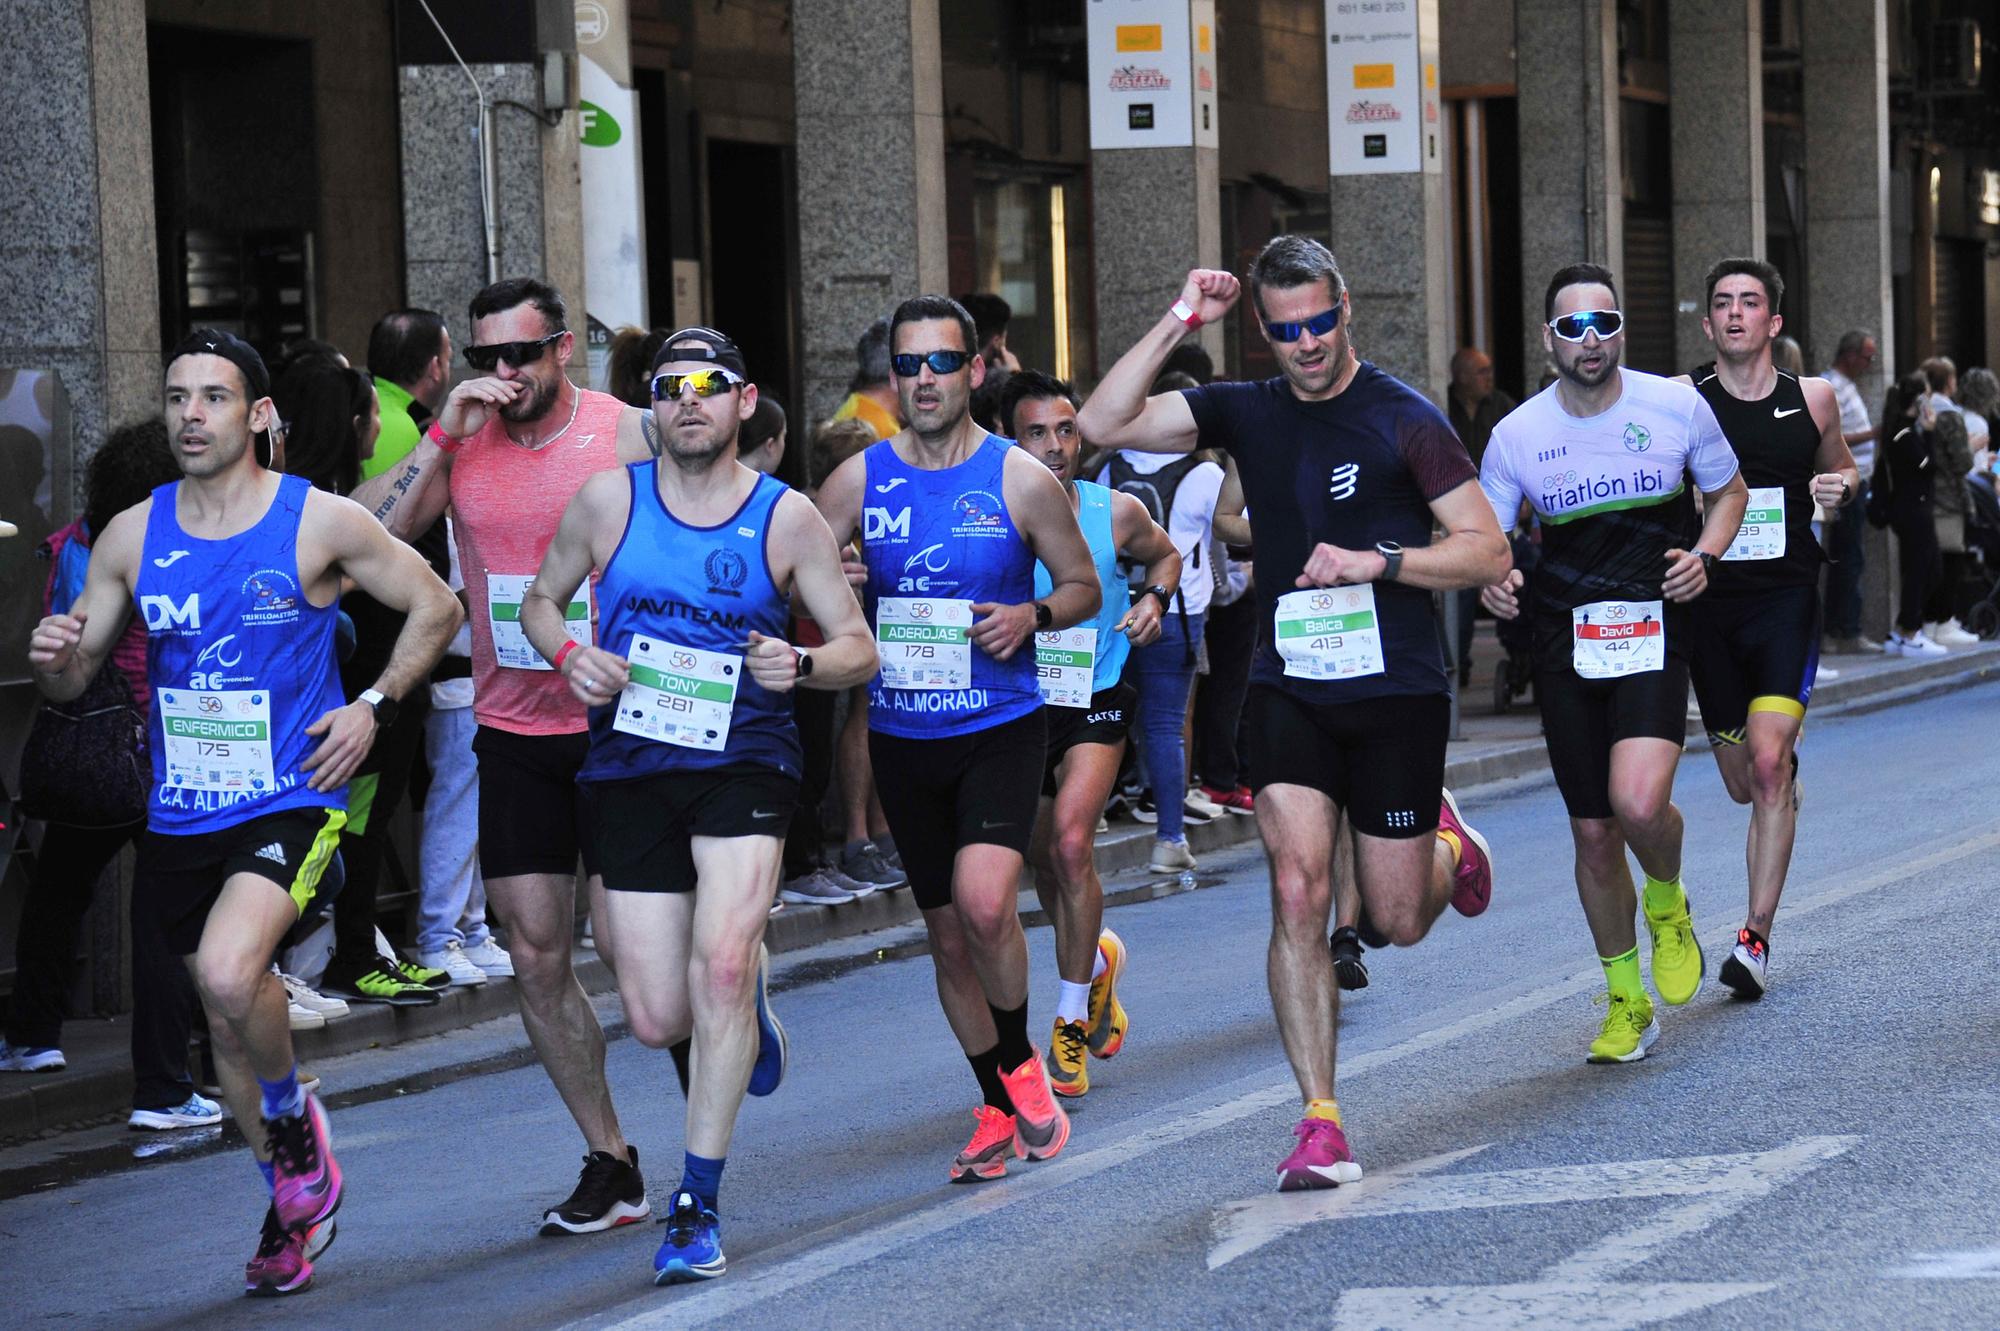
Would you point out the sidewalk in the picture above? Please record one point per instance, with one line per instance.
(98, 1085)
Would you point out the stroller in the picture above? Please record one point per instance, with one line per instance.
(1982, 577)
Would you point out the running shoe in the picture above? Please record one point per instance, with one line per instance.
(1041, 1128)
(1170, 857)
(490, 957)
(304, 997)
(1914, 645)
(1472, 885)
(854, 887)
(1629, 1029)
(1237, 800)
(609, 1193)
(1197, 806)
(1677, 962)
(1194, 812)
(773, 1050)
(320, 1237)
(865, 862)
(815, 889)
(197, 1111)
(375, 981)
(1107, 1021)
(1322, 1159)
(692, 1249)
(1748, 969)
(31, 1058)
(451, 960)
(307, 1187)
(1069, 1062)
(1349, 971)
(430, 977)
(985, 1156)
(280, 1266)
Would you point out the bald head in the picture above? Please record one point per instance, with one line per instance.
(1472, 375)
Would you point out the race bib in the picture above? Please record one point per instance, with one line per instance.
(1329, 633)
(1762, 535)
(218, 740)
(504, 592)
(924, 642)
(678, 695)
(1616, 638)
(1065, 664)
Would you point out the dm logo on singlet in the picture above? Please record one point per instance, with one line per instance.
(879, 524)
(163, 616)
(726, 570)
(1637, 438)
(979, 514)
(274, 597)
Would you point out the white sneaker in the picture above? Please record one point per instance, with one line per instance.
(22, 1058)
(451, 959)
(1171, 857)
(197, 1111)
(305, 999)
(1949, 634)
(1196, 804)
(1914, 645)
(490, 957)
(1825, 672)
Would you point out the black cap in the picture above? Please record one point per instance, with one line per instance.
(212, 342)
(714, 347)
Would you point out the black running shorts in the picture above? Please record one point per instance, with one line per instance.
(1381, 760)
(1583, 718)
(1756, 653)
(643, 828)
(179, 877)
(533, 816)
(1107, 720)
(941, 794)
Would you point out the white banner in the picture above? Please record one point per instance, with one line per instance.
(1152, 73)
(1381, 87)
(614, 213)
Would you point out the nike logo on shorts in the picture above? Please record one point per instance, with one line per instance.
(1788, 411)
(761, 814)
(985, 826)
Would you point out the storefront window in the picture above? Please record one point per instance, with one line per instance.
(1030, 247)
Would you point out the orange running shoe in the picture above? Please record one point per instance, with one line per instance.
(1107, 1021)
(985, 1156)
(1040, 1125)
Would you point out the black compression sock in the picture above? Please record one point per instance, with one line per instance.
(986, 1067)
(1014, 1049)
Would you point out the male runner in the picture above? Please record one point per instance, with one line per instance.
(507, 452)
(1088, 713)
(1346, 471)
(951, 521)
(237, 570)
(694, 760)
(1604, 455)
(1756, 632)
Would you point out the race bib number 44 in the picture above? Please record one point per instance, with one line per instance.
(679, 695)
(219, 740)
(1065, 662)
(504, 593)
(924, 642)
(1329, 633)
(1615, 638)
(1762, 535)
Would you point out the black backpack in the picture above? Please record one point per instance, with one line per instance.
(1156, 490)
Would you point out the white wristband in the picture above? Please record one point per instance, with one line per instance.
(1185, 313)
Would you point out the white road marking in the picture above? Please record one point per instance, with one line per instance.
(1975, 1264)
(829, 1252)
(1543, 1307)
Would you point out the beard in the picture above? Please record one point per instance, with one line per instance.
(532, 405)
(1591, 379)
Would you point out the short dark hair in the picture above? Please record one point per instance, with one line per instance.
(1852, 341)
(1292, 261)
(984, 404)
(989, 313)
(1023, 385)
(871, 356)
(1577, 275)
(1766, 274)
(767, 422)
(402, 343)
(498, 297)
(628, 376)
(1191, 359)
(1938, 372)
(919, 309)
(134, 461)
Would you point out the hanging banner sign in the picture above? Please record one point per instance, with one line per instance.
(1152, 73)
(1381, 87)
(614, 215)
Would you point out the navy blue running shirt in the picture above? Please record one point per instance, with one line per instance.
(1351, 471)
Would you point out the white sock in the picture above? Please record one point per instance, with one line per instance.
(1074, 1005)
(1097, 963)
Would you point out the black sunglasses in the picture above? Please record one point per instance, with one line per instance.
(515, 354)
(909, 363)
(1319, 326)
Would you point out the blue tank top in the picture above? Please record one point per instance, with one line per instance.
(240, 662)
(1093, 514)
(947, 534)
(692, 587)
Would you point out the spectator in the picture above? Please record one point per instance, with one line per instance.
(409, 355)
(1475, 407)
(1231, 637)
(870, 396)
(1191, 359)
(1788, 356)
(1908, 417)
(629, 365)
(1852, 359)
(1951, 460)
(990, 317)
(331, 421)
(985, 404)
(1979, 398)
(833, 443)
(760, 441)
(132, 463)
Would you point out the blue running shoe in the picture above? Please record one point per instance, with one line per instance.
(692, 1249)
(772, 1049)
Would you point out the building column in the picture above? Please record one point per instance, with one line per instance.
(868, 82)
(1716, 49)
(1572, 207)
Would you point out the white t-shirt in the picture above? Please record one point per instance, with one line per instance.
(1854, 419)
(1191, 526)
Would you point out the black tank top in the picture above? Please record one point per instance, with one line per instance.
(1776, 445)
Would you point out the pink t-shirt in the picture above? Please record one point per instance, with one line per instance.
(507, 502)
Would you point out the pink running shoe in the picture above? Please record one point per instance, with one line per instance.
(1321, 1160)
(308, 1185)
(1473, 888)
(280, 1266)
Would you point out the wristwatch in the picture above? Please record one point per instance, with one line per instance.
(1043, 617)
(385, 707)
(1708, 561)
(1392, 557)
(805, 662)
(1160, 594)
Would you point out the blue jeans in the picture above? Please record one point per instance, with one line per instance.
(1163, 673)
(452, 903)
(1843, 579)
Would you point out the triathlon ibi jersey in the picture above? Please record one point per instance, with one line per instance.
(1777, 445)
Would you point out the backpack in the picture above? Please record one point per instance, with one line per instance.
(1156, 490)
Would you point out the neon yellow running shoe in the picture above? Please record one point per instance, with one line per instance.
(1629, 1030)
(1069, 1064)
(1677, 962)
(1107, 1021)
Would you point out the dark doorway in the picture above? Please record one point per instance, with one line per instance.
(752, 247)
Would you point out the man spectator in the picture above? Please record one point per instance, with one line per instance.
(990, 317)
(1852, 359)
(1475, 407)
(870, 397)
(409, 354)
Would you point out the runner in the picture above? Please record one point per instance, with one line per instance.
(1755, 634)
(1088, 712)
(951, 522)
(507, 452)
(694, 768)
(1604, 456)
(237, 570)
(1349, 705)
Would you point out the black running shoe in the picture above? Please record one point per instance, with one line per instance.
(609, 1193)
(1348, 968)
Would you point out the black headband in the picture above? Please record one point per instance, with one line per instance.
(709, 345)
(211, 342)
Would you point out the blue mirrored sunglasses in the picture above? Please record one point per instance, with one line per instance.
(1573, 327)
(909, 363)
(1319, 326)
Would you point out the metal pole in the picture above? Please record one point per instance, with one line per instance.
(487, 141)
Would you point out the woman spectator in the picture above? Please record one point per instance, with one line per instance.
(1908, 418)
(1951, 460)
(1979, 398)
(629, 365)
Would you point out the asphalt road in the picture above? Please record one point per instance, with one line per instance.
(1824, 1158)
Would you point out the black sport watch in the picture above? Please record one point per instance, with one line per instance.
(1043, 617)
(1392, 559)
(384, 706)
(1708, 561)
(1162, 595)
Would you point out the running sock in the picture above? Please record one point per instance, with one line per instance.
(986, 1067)
(1663, 897)
(702, 1177)
(1014, 1049)
(1454, 845)
(681, 1051)
(270, 1173)
(1621, 974)
(1325, 1110)
(1074, 1005)
(283, 1098)
(1098, 963)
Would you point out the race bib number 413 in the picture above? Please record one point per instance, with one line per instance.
(1616, 638)
(925, 642)
(1329, 633)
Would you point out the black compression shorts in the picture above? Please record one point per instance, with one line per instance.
(643, 828)
(1754, 653)
(179, 877)
(1583, 718)
(942, 794)
(1381, 759)
(1107, 720)
(533, 816)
